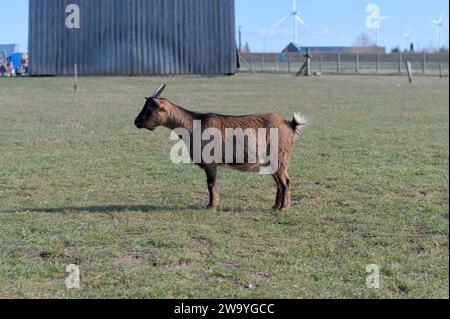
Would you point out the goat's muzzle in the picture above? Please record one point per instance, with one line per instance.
(139, 124)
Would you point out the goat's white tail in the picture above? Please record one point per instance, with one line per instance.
(300, 122)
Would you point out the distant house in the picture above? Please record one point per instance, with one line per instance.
(368, 50)
(327, 49)
(292, 48)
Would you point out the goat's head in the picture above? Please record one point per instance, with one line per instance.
(153, 114)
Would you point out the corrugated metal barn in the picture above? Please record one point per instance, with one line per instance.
(132, 37)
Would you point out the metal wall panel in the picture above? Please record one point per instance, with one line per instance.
(133, 37)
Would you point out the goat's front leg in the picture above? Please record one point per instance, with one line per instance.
(211, 174)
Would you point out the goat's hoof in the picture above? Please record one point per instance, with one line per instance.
(276, 208)
(211, 207)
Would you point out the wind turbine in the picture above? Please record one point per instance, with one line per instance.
(439, 22)
(295, 14)
(373, 21)
(407, 36)
(409, 45)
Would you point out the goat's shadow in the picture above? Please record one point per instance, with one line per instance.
(109, 209)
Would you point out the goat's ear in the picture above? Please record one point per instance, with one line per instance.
(160, 104)
(159, 91)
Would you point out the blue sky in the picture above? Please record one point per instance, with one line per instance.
(338, 23)
(332, 23)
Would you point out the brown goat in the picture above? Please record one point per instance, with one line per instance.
(160, 112)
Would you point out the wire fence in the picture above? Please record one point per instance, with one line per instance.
(348, 63)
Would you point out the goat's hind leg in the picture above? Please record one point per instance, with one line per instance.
(278, 199)
(214, 199)
(286, 193)
(288, 201)
(284, 183)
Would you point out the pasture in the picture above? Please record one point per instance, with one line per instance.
(79, 184)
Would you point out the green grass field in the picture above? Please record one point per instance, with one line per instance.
(80, 185)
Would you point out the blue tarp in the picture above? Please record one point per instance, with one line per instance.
(15, 59)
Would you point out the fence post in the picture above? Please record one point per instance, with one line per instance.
(276, 63)
(308, 62)
(357, 62)
(441, 74)
(75, 86)
(339, 63)
(289, 62)
(424, 61)
(400, 62)
(320, 63)
(262, 62)
(378, 63)
(409, 70)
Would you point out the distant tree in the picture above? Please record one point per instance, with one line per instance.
(363, 40)
(246, 48)
(395, 50)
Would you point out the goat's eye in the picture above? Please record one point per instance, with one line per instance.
(148, 114)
